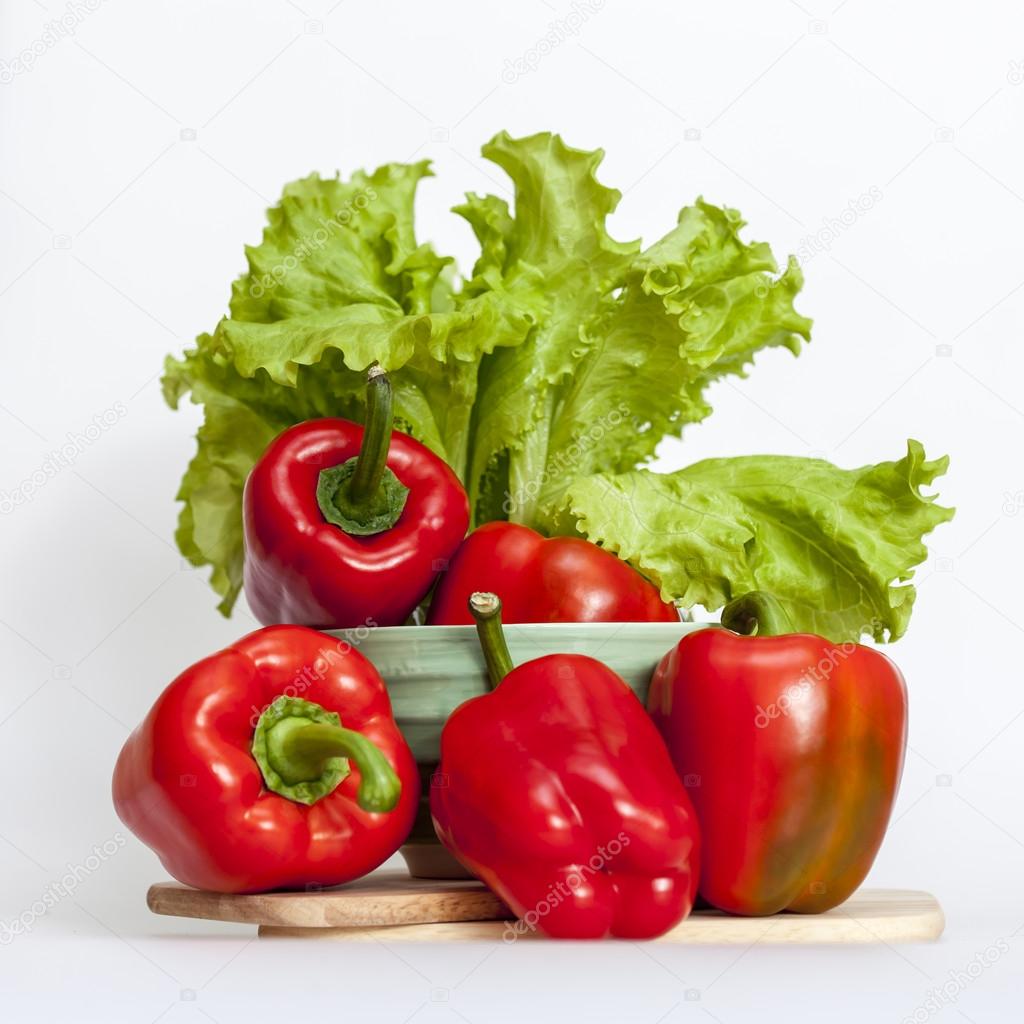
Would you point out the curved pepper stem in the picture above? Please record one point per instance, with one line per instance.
(486, 610)
(303, 753)
(756, 614)
(373, 453)
(362, 495)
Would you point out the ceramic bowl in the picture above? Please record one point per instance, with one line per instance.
(431, 670)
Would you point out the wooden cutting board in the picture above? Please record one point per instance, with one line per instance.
(391, 906)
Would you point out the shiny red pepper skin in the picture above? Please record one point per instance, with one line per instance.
(557, 791)
(299, 568)
(188, 786)
(562, 579)
(792, 748)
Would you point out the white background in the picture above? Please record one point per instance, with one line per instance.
(123, 230)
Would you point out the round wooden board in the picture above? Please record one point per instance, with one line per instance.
(391, 906)
(384, 898)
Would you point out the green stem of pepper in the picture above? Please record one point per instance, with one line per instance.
(486, 611)
(303, 753)
(363, 496)
(373, 453)
(756, 614)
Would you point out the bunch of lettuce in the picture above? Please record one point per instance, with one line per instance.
(546, 380)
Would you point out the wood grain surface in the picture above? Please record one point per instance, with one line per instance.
(391, 906)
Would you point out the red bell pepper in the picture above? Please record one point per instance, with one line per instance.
(564, 579)
(557, 791)
(791, 748)
(242, 778)
(345, 527)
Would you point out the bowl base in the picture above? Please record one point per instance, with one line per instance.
(431, 860)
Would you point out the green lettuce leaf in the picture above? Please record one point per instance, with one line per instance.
(545, 379)
(337, 283)
(625, 342)
(231, 439)
(554, 261)
(331, 243)
(694, 307)
(835, 546)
